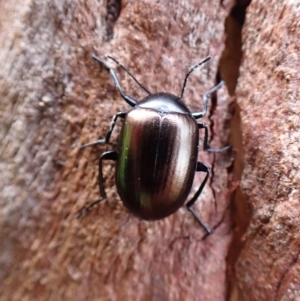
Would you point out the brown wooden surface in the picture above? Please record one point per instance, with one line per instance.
(54, 98)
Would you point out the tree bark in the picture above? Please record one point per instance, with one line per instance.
(268, 95)
(53, 99)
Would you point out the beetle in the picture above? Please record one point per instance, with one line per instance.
(157, 151)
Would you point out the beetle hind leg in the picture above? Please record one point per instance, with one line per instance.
(110, 155)
(204, 168)
(206, 147)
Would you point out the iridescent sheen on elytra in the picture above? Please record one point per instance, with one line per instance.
(157, 156)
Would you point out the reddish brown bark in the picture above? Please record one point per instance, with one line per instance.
(268, 95)
(53, 99)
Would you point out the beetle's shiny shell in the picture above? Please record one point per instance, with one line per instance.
(157, 157)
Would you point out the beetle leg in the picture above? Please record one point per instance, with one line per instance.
(202, 125)
(206, 97)
(107, 137)
(204, 168)
(131, 101)
(190, 71)
(129, 73)
(110, 155)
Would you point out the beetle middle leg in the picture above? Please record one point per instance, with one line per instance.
(206, 147)
(203, 168)
(107, 137)
(110, 155)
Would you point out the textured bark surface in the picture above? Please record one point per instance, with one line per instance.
(54, 98)
(229, 69)
(268, 95)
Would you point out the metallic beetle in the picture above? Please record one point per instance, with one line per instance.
(157, 151)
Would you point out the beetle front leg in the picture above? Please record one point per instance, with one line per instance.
(107, 137)
(206, 98)
(132, 102)
(204, 168)
(110, 155)
(206, 147)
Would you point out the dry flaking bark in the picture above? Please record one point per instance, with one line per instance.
(268, 94)
(54, 98)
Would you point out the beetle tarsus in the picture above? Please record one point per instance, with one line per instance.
(206, 147)
(100, 141)
(86, 209)
(206, 228)
(218, 150)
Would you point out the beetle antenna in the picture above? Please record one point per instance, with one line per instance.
(191, 70)
(132, 76)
